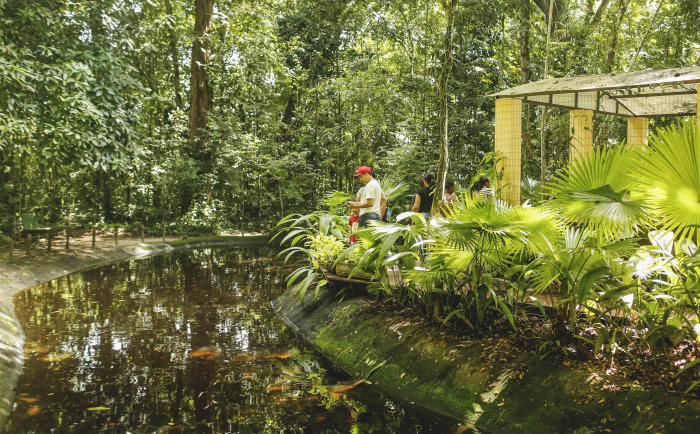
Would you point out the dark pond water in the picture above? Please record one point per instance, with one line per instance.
(183, 343)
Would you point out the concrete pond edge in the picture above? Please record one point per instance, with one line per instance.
(32, 273)
(416, 363)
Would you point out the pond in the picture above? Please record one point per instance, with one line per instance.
(184, 343)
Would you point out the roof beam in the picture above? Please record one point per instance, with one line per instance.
(657, 94)
(618, 104)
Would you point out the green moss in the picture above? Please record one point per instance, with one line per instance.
(415, 363)
(366, 346)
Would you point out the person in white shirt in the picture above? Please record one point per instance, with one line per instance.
(369, 203)
(382, 204)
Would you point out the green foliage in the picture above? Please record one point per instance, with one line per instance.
(316, 239)
(397, 194)
(335, 201)
(484, 260)
(324, 249)
(531, 191)
(93, 101)
(596, 192)
(384, 245)
(669, 179)
(94, 126)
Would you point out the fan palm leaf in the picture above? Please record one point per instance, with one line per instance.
(394, 190)
(543, 230)
(596, 192)
(531, 191)
(669, 179)
(475, 224)
(488, 232)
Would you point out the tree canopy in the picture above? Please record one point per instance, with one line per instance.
(96, 98)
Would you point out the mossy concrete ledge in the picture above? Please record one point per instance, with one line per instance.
(26, 273)
(416, 363)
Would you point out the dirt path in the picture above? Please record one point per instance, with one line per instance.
(24, 271)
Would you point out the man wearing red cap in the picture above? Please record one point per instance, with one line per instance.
(370, 199)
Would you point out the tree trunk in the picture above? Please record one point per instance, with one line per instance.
(525, 22)
(175, 58)
(646, 34)
(613, 35)
(289, 114)
(449, 6)
(107, 204)
(526, 72)
(599, 12)
(543, 120)
(200, 94)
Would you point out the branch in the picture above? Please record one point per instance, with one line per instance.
(644, 38)
(542, 5)
(599, 12)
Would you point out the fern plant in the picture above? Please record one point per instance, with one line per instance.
(315, 239)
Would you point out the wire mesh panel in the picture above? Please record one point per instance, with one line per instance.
(645, 98)
(508, 145)
(581, 133)
(637, 131)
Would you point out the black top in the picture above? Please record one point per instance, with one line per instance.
(426, 199)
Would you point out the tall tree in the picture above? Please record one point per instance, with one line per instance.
(525, 22)
(200, 91)
(543, 145)
(610, 63)
(524, 39)
(449, 7)
(172, 37)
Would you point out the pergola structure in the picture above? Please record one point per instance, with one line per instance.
(634, 95)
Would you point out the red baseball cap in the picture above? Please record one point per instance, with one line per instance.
(363, 169)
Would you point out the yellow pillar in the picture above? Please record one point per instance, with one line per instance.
(637, 131)
(581, 131)
(508, 145)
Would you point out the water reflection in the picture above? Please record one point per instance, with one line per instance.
(182, 343)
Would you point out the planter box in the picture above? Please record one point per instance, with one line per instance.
(344, 269)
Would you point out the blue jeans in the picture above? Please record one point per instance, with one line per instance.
(366, 218)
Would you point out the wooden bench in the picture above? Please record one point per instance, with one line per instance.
(30, 228)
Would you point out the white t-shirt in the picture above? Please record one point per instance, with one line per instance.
(374, 191)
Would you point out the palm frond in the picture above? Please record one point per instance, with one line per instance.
(543, 230)
(669, 179)
(393, 190)
(531, 191)
(335, 201)
(596, 191)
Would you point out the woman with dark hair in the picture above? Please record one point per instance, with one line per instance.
(479, 184)
(424, 196)
(449, 197)
(482, 187)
